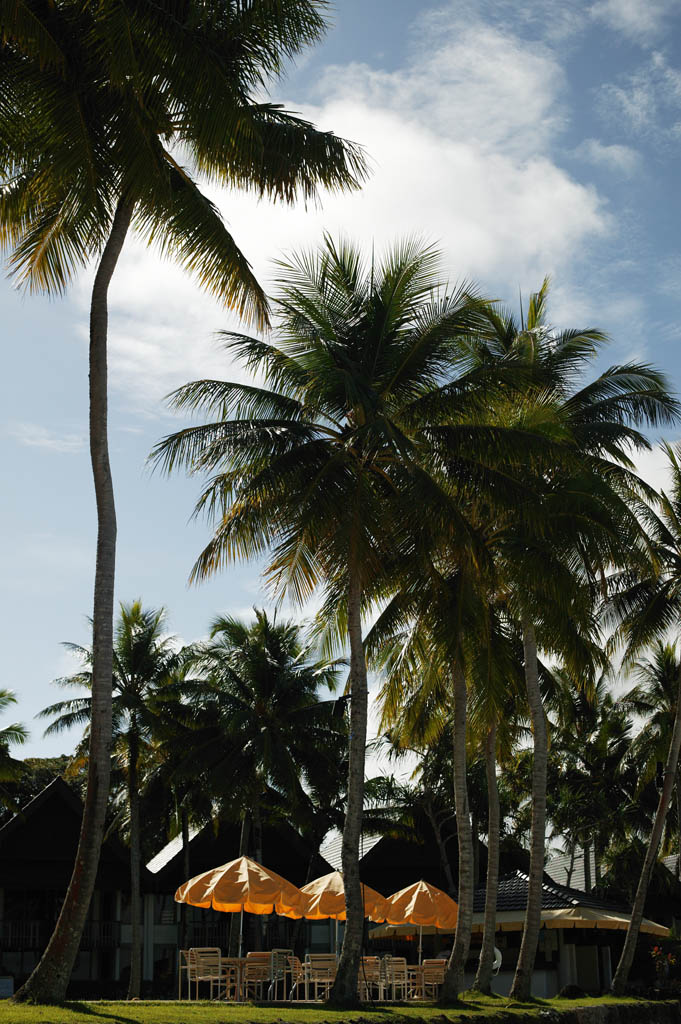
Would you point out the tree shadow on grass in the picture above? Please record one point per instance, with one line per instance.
(90, 1010)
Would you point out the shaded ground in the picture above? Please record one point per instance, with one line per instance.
(472, 1008)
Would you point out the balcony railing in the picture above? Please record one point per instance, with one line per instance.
(208, 934)
(34, 935)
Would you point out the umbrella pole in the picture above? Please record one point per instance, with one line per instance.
(241, 932)
(420, 943)
(336, 939)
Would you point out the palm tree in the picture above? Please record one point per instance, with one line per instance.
(99, 101)
(260, 722)
(323, 468)
(653, 699)
(423, 634)
(497, 714)
(591, 741)
(11, 770)
(647, 606)
(143, 658)
(553, 564)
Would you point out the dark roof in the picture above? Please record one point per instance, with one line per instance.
(57, 789)
(512, 896)
(38, 845)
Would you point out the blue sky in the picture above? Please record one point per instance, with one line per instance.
(527, 138)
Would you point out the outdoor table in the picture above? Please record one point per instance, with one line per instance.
(239, 962)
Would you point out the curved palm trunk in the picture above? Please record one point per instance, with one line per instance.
(453, 983)
(135, 865)
(522, 982)
(619, 982)
(49, 980)
(344, 990)
(483, 978)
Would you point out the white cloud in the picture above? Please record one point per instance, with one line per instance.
(460, 144)
(638, 20)
(622, 159)
(35, 436)
(469, 81)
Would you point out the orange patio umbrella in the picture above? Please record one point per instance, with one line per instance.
(325, 897)
(240, 885)
(423, 905)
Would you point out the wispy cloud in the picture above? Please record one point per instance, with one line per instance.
(35, 436)
(622, 159)
(646, 103)
(642, 21)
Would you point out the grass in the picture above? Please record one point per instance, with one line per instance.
(472, 1008)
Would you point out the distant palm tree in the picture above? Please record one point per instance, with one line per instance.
(113, 111)
(143, 659)
(11, 770)
(591, 741)
(262, 716)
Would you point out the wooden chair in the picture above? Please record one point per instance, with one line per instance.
(433, 975)
(257, 971)
(205, 964)
(297, 978)
(279, 971)
(183, 965)
(396, 978)
(370, 978)
(320, 973)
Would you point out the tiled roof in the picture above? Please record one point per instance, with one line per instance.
(671, 863)
(559, 869)
(512, 895)
(330, 849)
(170, 850)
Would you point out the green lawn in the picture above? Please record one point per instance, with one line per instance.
(472, 1008)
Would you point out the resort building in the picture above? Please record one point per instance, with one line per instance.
(579, 944)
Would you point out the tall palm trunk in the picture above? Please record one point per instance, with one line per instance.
(522, 982)
(236, 922)
(49, 980)
(678, 823)
(587, 866)
(135, 865)
(297, 929)
(619, 982)
(259, 931)
(453, 983)
(344, 990)
(571, 868)
(184, 826)
(483, 978)
(441, 846)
